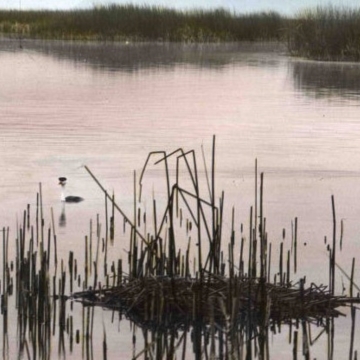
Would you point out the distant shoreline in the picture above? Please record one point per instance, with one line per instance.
(323, 33)
(142, 23)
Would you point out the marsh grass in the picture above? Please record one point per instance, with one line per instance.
(321, 33)
(142, 23)
(326, 33)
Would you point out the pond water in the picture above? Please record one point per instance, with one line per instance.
(66, 105)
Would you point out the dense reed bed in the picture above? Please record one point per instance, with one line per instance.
(326, 33)
(214, 297)
(142, 23)
(158, 270)
(206, 287)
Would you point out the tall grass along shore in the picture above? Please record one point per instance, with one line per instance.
(142, 23)
(326, 33)
(149, 23)
(321, 33)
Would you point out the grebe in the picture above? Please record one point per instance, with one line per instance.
(68, 199)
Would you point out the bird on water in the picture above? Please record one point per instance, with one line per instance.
(70, 198)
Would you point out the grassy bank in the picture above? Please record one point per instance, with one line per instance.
(142, 23)
(322, 33)
(326, 33)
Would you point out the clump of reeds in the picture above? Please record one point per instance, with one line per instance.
(228, 303)
(162, 287)
(326, 33)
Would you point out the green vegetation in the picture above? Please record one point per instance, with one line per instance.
(142, 23)
(326, 33)
(323, 33)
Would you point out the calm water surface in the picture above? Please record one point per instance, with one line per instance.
(65, 105)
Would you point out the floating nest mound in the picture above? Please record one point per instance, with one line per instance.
(216, 299)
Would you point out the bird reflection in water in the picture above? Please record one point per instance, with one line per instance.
(62, 217)
(66, 199)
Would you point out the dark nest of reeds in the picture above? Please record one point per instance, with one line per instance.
(216, 299)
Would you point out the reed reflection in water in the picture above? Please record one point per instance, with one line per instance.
(324, 80)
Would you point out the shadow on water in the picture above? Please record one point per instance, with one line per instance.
(323, 80)
(62, 217)
(120, 56)
(317, 79)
